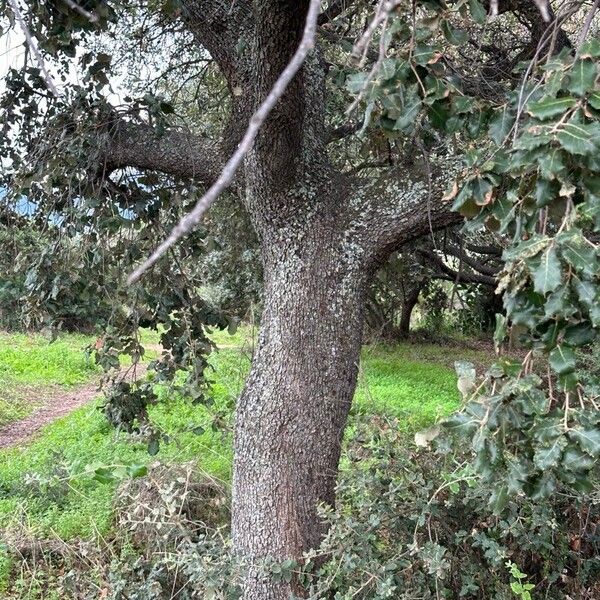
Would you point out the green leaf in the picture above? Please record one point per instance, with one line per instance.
(478, 13)
(461, 424)
(499, 499)
(103, 475)
(586, 291)
(438, 113)
(548, 275)
(530, 139)
(527, 248)
(410, 109)
(500, 331)
(546, 192)
(356, 82)
(500, 125)
(551, 164)
(547, 457)
(579, 335)
(137, 470)
(542, 487)
(388, 69)
(482, 191)
(594, 100)
(575, 460)
(588, 440)
(582, 76)
(589, 296)
(456, 37)
(562, 359)
(550, 107)
(578, 252)
(567, 382)
(435, 89)
(547, 429)
(577, 138)
(423, 54)
(590, 48)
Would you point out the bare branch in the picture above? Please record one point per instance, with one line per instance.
(383, 11)
(92, 18)
(586, 26)
(227, 175)
(33, 46)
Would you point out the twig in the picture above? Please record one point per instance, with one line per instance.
(373, 71)
(383, 11)
(187, 223)
(92, 18)
(32, 45)
(586, 26)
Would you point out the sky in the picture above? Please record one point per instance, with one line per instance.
(11, 53)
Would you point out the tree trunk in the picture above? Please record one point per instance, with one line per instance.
(410, 301)
(291, 415)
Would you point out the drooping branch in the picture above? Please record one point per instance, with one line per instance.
(34, 48)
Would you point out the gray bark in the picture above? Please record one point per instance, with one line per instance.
(291, 416)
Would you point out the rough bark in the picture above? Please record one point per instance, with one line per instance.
(322, 235)
(291, 415)
(177, 152)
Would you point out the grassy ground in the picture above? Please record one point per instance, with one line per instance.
(45, 486)
(31, 364)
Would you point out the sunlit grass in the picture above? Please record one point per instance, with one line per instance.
(414, 382)
(30, 364)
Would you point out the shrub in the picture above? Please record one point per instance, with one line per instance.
(408, 525)
(418, 525)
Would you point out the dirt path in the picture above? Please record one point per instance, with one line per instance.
(54, 402)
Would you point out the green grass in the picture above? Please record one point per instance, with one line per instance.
(30, 364)
(413, 382)
(242, 337)
(55, 501)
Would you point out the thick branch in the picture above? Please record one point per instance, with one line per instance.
(175, 152)
(495, 251)
(405, 205)
(472, 262)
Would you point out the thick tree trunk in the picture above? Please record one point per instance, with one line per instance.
(291, 416)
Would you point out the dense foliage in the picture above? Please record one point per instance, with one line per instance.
(531, 149)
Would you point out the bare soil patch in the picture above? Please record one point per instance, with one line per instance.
(53, 403)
